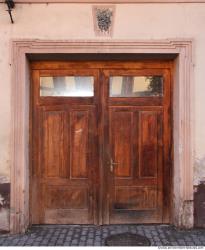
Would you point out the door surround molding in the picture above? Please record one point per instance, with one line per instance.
(183, 108)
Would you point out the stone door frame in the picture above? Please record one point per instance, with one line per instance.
(183, 107)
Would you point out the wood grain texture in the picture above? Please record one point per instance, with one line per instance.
(54, 151)
(135, 198)
(79, 144)
(148, 144)
(62, 197)
(121, 130)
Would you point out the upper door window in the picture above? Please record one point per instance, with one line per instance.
(136, 86)
(67, 86)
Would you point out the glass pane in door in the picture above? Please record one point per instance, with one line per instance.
(73, 86)
(136, 86)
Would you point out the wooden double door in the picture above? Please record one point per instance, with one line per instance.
(100, 142)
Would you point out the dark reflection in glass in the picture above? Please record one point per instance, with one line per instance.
(136, 86)
(72, 86)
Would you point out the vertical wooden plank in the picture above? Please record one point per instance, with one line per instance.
(167, 149)
(135, 149)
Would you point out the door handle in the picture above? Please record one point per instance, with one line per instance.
(112, 164)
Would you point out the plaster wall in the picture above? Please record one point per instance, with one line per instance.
(75, 21)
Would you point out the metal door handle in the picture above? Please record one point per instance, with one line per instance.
(112, 164)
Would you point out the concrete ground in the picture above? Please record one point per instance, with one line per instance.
(75, 235)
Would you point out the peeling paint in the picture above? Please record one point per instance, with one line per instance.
(4, 204)
(199, 171)
(183, 217)
(4, 220)
(5, 162)
(187, 214)
(4, 179)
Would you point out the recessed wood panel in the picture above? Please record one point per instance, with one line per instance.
(67, 216)
(148, 144)
(54, 136)
(61, 197)
(122, 143)
(79, 143)
(135, 198)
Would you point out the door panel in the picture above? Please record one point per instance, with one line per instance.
(65, 162)
(136, 145)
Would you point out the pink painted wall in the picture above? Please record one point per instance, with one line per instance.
(75, 21)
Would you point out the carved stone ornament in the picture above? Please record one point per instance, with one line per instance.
(103, 20)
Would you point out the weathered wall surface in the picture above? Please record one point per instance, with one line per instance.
(75, 21)
(4, 204)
